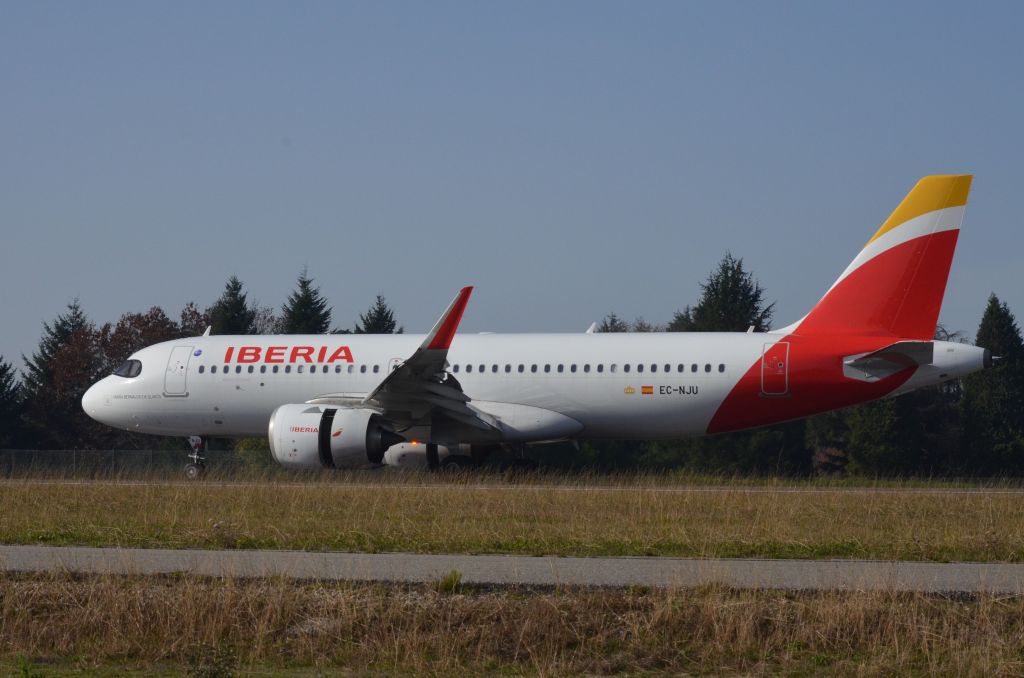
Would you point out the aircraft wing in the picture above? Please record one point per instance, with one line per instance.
(421, 386)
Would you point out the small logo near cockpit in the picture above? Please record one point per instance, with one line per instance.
(337, 433)
(198, 352)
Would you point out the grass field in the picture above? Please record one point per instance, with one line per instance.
(60, 625)
(546, 515)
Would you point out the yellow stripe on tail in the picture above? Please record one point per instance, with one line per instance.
(931, 193)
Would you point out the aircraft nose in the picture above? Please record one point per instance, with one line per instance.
(93, 402)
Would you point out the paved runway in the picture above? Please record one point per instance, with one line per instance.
(848, 575)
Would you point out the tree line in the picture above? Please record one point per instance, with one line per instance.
(968, 427)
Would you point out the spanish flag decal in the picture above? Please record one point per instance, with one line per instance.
(647, 390)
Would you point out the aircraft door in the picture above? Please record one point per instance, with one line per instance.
(775, 369)
(177, 371)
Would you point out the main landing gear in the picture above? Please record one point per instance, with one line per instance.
(520, 462)
(196, 468)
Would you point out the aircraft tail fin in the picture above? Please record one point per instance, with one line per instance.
(896, 284)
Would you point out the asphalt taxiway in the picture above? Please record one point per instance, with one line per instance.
(506, 570)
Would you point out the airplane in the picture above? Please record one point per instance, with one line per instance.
(445, 398)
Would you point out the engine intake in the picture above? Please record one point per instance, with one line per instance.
(312, 436)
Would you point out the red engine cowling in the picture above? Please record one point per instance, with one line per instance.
(314, 436)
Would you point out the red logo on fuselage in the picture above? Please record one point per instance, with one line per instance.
(289, 354)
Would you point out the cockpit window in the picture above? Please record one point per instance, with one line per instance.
(129, 369)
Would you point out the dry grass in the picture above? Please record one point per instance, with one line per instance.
(632, 516)
(110, 624)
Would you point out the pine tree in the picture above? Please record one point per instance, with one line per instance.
(641, 325)
(231, 313)
(67, 362)
(10, 405)
(306, 311)
(991, 404)
(41, 367)
(378, 319)
(613, 323)
(731, 301)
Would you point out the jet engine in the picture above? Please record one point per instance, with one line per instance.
(314, 436)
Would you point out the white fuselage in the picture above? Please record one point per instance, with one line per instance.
(543, 386)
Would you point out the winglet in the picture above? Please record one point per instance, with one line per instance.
(440, 337)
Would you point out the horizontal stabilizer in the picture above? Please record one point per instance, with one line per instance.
(889, 360)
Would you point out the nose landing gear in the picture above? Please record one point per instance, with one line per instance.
(196, 468)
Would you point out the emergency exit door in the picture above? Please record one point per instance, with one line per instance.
(775, 369)
(177, 371)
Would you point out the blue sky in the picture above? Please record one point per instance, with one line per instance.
(569, 159)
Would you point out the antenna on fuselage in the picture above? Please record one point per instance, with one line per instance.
(592, 328)
(208, 329)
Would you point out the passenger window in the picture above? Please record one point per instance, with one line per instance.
(681, 368)
(561, 368)
(263, 369)
(572, 368)
(455, 369)
(494, 368)
(522, 367)
(707, 367)
(337, 369)
(238, 369)
(201, 369)
(693, 367)
(483, 368)
(626, 367)
(300, 369)
(533, 368)
(376, 369)
(362, 369)
(351, 369)
(614, 368)
(213, 369)
(274, 369)
(654, 368)
(668, 368)
(469, 368)
(508, 368)
(547, 368)
(251, 369)
(600, 367)
(639, 367)
(721, 367)
(287, 369)
(312, 369)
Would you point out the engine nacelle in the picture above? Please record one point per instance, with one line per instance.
(314, 436)
(412, 455)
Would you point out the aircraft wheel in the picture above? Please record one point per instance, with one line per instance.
(525, 464)
(194, 471)
(456, 463)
